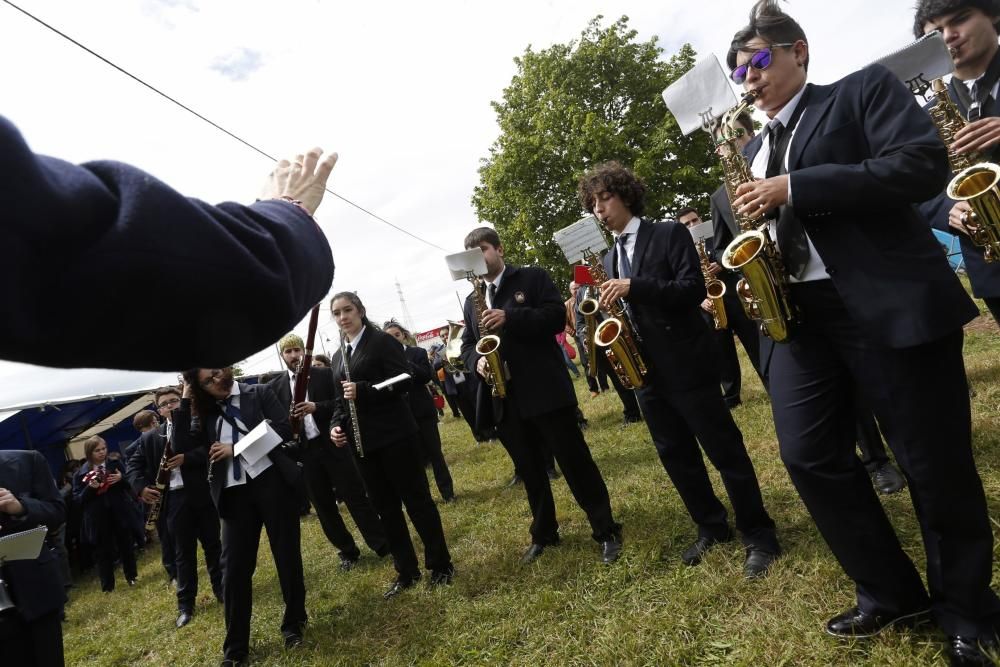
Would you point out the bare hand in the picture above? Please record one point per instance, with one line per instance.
(303, 179)
(175, 461)
(482, 367)
(94, 483)
(761, 195)
(707, 306)
(714, 269)
(149, 495)
(493, 319)
(9, 504)
(350, 389)
(304, 408)
(338, 436)
(958, 217)
(614, 289)
(219, 451)
(977, 136)
(114, 478)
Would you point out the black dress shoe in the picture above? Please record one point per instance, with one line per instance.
(733, 402)
(532, 553)
(514, 481)
(450, 498)
(183, 618)
(611, 549)
(969, 651)
(442, 577)
(553, 473)
(757, 562)
(229, 662)
(348, 561)
(400, 585)
(858, 624)
(887, 479)
(694, 553)
(293, 638)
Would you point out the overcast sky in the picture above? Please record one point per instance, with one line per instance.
(401, 90)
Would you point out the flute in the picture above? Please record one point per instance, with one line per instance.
(351, 407)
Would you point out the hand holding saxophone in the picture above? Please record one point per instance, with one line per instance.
(493, 319)
(614, 289)
(978, 136)
(958, 217)
(761, 195)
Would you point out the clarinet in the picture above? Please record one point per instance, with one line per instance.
(162, 481)
(351, 407)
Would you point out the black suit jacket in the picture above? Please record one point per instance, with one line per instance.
(36, 586)
(863, 153)
(384, 416)
(257, 403)
(665, 295)
(115, 504)
(321, 392)
(985, 278)
(144, 463)
(421, 402)
(535, 313)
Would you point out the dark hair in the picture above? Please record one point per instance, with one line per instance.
(482, 235)
(322, 357)
(746, 120)
(684, 211)
(204, 403)
(615, 178)
(407, 336)
(768, 22)
(144, 418)
(163, 391)
(356, 302)
(927, 10)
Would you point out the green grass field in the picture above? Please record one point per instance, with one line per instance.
(567, 608)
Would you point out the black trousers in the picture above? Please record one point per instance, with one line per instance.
(870, 443)
(456, 410)
(920, 396)
(267, 501)
(330, 473)
(395, 479)
(993, 303)
(168, 550)
(745, 329)
(630, 404)
(192, 518)
(114, 531)
(430, 452)
(35, 643)
(597, 382)
(678, 422)
(526, 440)
(727, 361)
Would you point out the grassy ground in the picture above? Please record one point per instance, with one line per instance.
(566, 609)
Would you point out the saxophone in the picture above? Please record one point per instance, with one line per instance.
(488, 345)
(716, 290)
(763, 289)
(976, 181)
(616, 334)
(589, 307)
(162, 481)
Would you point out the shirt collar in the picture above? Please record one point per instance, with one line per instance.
(496, 281)
(357, 340)
(786, 112)
(631, 228)
(235, 391)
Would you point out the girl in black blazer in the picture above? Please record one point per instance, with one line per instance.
(387, 455)
(106, 510)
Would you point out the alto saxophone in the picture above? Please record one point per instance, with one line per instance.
(716, 290)
(763, 289)
(975, 181)
(488, 345)
(616, 334)
(589, 307)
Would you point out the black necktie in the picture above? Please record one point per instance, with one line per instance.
(233, 413)
(493, 295)
(791, 236)
(347, 355)
(624, 266)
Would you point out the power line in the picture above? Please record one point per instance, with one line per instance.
(211, 122)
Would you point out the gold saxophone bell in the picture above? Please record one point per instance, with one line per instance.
(453, 348)
(755, 256)
(589, 308)
(489, 347)
(977, 185)
(612, 336)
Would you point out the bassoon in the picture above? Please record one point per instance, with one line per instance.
(302, 374)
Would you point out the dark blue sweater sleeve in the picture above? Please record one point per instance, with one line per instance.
(88, 250)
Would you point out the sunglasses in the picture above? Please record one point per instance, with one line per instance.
(760, 60)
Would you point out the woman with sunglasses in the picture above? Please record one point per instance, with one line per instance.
(385, 443)
(880, 313)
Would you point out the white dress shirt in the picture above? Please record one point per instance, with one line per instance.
(227, 436)
(632, 229)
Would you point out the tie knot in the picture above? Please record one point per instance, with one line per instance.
(623, 239)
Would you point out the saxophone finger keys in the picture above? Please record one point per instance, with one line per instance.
(493, 319)
(613, 290)
(767, 194)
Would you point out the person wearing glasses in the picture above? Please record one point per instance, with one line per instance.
(249, 495)
(879, 312)
(969, 28)
(385, 443)
(186, 510)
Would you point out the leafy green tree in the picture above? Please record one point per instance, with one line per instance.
(572, 106)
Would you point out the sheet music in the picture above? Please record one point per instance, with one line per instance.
(391, 381)
(702, 95)
(702, 231)
(25, 545)
(257, 444)
(460, 264)
(920, 62)
(583, 235)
